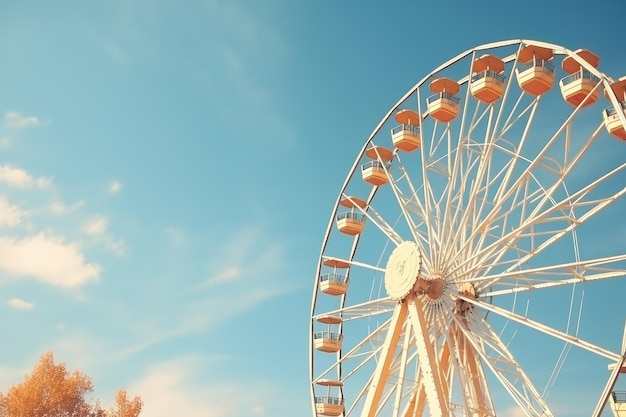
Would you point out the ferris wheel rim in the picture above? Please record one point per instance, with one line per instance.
(558, 50)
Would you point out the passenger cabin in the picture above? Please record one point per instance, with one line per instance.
(618, 403)
(351, 222)
(617, 399)
(487, 83)
(611, 116)
(331, 404)
(374, 172)
(406, 136)
(328, 341)
(335, 282)
(580, 87)
(535, 70)
(443, 106)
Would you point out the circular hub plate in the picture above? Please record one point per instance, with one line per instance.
(403, 269)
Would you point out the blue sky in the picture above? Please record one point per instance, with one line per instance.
(167, 172)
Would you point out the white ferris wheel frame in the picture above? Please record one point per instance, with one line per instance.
(408, 325)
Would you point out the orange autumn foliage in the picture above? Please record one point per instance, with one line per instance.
(124, 407)
(52, 391)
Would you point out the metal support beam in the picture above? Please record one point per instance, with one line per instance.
(435, 392)
(381, 373)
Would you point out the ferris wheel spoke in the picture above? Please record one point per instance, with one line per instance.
(352, 262)
(454, 206)
(478, 166)
(363, 310)
(431, 163)
(360, 354)
(360, 396)
(551, 276)
(470, 374)
(497, 357)
(500, 179)
(365, 355)
(542, 328)
(556, 213)
(411, 204)
(540, 162)
(516, 116)
(516, 153)
(548, 194)
(417, 401)
(484, 180)
(404, 204)
(556, 234)
(380, 223)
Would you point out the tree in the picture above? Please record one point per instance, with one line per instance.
(52, 391)
(125, 407)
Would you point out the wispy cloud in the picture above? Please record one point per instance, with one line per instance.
(258, 410)
(115, 187)
(176, 236)
(115, 51)
(240, 257)
(60, 208)
(10, 375)
(225, 275)
(48, 259)
(15, 120)
(19, 178)
(249, 61)
(97, 228)
(9, 215)
(180, 385)
(238, 282)
(19, 304)
(80, 349)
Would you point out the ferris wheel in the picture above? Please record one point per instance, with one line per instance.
(477, 221)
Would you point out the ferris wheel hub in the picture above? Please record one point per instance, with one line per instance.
(403, 270)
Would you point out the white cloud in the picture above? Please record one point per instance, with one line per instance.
(19, 178)
(97, 228)
(179, 385)
(258, 410)
(12, 375)
(80, 349)
(48, 259)
(9, 215)
(19, 304)
(176, 236)
(253, 48)
(115, 187)
(244, 263)
(115, 51)
(5, 142)
(238, 282)
(58, 207)
(226, 275)
(116, 246)
(43, 182)
(239, 256)
(15, 120)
